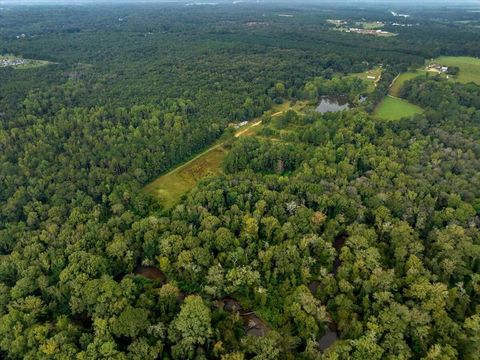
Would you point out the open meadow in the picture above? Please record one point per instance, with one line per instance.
(401, 79)
(469, 67)
(393, 108)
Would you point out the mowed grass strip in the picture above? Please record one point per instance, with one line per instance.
(169, 188)
(469, 67)
(392, 108)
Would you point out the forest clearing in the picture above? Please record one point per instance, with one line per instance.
(170, 187)
(393, 108)
(401, 79)
(469, 71)
(16, 62)
(469, 67)
(372, 76)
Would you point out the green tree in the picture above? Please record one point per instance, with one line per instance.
(191, 329)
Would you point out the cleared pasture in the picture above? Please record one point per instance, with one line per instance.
(392, 108)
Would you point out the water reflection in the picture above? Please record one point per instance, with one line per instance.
(333, 104)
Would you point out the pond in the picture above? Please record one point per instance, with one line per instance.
(333, 104)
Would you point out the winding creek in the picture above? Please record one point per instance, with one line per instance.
(252, 323)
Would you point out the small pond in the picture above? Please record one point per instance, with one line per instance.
(333, 104)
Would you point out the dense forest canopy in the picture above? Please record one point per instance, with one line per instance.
(328, 236)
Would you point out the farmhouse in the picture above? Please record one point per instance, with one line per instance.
(336, 22)
(399, 15)
(437, 68)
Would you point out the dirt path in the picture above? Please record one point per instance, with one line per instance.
(240, 133)
(391, 85)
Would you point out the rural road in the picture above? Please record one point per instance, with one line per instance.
(240, 133)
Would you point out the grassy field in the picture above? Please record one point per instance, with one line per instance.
(469, 67)
(170, 187)
(392, 108)
(469, 71)
(401, 79)
(376, 72)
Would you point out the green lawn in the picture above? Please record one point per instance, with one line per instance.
(469, 67)
(392, 108)
(469, 71)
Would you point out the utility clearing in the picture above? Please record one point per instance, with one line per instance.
(170, 187)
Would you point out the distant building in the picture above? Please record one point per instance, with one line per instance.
(239, 125)
(12, 62)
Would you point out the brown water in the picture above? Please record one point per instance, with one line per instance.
(150, 272)
(331, 334)
(252, 324)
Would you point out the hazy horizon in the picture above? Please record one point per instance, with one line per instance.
(214, 2)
